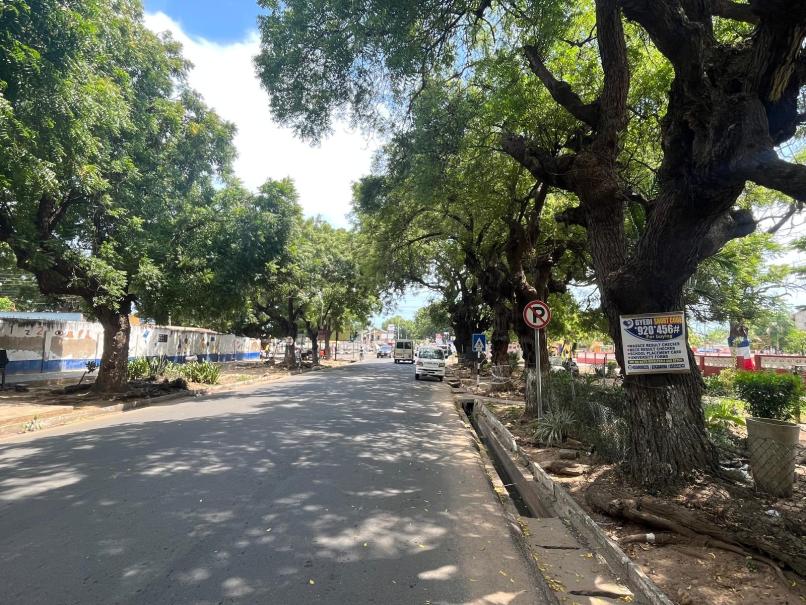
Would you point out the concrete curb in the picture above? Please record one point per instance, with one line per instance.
(556, 497)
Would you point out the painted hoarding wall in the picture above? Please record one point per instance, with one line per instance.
(57, 346)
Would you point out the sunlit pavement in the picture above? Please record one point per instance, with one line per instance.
(351, 486)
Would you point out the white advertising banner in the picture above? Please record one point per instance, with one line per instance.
(654, 343)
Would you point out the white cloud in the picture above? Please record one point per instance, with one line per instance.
(224, 74)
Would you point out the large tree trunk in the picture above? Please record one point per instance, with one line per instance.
(113, 373)
(667, 438)
(502, 319)
(526, 337)
(290, 357)
(313, 334)
(463, 339)
(291, 332)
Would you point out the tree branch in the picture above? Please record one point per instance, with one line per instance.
(613, 51)
(790, 212)
(539, 194)
(572, 216)
(561, 91)
(733, 10)
(590, 38)
(768, 170)
(543, 166)
(680, 40)
(483, 6)
(58, 214)
(408, 243)
(732, 225)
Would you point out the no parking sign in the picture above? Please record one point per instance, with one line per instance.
(537, 314)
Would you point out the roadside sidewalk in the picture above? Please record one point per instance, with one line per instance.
(25, 415)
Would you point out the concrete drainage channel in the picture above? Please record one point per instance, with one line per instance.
(579, 562)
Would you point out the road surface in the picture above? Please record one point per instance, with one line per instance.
(351, 486)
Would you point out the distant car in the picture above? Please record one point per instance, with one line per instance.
(384, 351)
(564, 365)
(404, 351)
(430, 362)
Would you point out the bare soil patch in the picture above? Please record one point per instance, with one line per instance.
(691, 569)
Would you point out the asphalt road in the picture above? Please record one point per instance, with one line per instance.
(351, 486)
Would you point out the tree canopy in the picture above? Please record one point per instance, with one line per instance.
(650, 116)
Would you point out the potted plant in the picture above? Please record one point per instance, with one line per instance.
(773, 399)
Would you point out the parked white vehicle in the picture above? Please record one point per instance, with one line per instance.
(404, 351)
(430, 362)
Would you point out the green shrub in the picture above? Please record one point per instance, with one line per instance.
(156, 366)
(554, 427)
(137, 368)
(723, 384)
(724, 413)
(770, 395)
(200, 371)
(600, 412)
(172, 370)
(514, 360)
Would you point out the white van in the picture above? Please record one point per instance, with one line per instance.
(430, 362)
(404, 351)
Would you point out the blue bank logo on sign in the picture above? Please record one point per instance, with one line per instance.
(479, 343)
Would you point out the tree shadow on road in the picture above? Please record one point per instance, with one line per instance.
(318, 489)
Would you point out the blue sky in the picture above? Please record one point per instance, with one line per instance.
(220, 38)
(215, 20)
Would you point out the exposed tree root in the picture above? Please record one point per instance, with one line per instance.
(677, 520)
(651, 538)
(566, 468)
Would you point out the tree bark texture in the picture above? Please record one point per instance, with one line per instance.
(113, 373)
(463, 337)
(467, 318)
(502, 320)
(667, 437)
(313, 334)
(290, 332)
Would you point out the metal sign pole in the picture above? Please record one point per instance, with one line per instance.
(539, 377)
